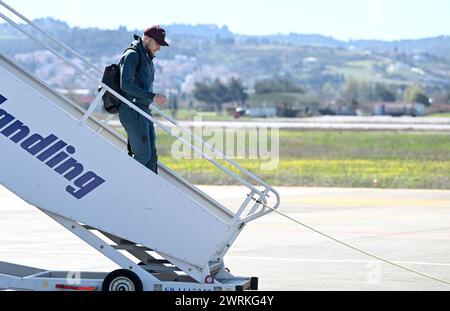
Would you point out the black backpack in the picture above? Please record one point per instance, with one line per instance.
(111, 77)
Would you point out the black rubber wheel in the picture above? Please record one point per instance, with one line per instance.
(122, 281)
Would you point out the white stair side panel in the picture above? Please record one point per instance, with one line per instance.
(133, 203)
(65, 104)
(13, 173)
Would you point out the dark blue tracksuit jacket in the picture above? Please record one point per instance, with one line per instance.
(137, 74)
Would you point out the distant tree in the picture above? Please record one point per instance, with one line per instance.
(237, 91)
(422, 98)
(264, 87)
(329, 91)
(217, 93)
(355, 103)
(357, 90)
(415, 94)
(224, 41)
(363, 91)
(268, 86)
(351, 89)
(220, 94)
(202, 92)
(383, 93)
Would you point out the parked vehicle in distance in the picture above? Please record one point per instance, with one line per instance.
(398, 109)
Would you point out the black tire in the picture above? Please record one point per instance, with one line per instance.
(122, 281)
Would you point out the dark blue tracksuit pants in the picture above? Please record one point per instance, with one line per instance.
(141, 135)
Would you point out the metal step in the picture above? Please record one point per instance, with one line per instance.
(130, 247)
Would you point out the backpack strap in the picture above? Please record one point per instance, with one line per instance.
(134, 49)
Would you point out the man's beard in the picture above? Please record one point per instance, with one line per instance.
(149, 51)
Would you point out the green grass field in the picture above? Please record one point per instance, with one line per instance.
(190, 115)
(439, 115)
(338, 159)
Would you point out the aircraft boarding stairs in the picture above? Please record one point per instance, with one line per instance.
(58, 157)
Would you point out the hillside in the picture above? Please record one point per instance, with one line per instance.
(320, 64)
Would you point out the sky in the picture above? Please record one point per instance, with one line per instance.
(341, 19)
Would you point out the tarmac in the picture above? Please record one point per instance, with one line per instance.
(408, 227)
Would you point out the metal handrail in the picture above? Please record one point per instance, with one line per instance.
(12, 10)
(263, 195)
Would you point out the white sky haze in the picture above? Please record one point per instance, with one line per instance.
(342, 19)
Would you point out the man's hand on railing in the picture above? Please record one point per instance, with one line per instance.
(160, 99)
